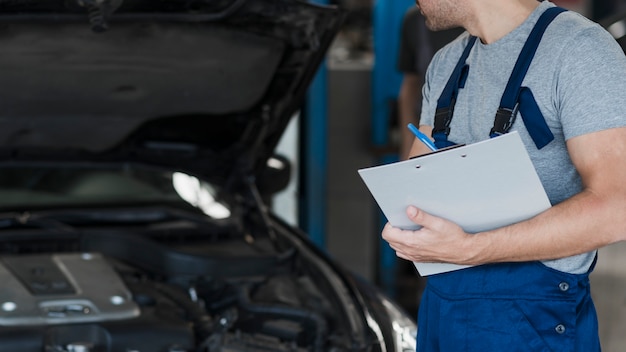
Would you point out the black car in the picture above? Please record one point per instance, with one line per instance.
(136, 164)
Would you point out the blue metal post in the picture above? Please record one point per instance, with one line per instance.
(315, 158)
(387, 24)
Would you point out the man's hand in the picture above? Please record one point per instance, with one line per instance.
(438, 240)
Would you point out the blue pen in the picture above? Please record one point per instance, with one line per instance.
(422, 137)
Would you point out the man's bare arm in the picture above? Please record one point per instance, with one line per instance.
(409, 101)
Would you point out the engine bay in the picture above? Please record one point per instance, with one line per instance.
(129, 293)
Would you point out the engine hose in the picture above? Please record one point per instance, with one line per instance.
(297, 314)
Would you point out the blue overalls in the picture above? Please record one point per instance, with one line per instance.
(527, 306)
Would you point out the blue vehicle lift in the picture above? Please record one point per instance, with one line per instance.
(315, 160)
(387, 20)
(386, 80)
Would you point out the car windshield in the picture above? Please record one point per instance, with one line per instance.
(25, 188)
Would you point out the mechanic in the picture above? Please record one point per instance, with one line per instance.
(528, 287)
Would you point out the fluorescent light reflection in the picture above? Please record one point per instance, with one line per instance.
(275, 163)
(199, 195)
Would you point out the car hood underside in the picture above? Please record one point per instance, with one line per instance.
(199, 85)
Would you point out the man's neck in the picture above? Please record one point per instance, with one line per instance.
(495, 18)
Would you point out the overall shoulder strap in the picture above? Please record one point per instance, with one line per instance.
(509, 104)
(445, 103)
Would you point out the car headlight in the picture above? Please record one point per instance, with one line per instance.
(403, 328)
(394, 328)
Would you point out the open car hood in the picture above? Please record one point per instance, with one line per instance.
(204, 86)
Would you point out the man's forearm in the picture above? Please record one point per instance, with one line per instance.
(578, 225)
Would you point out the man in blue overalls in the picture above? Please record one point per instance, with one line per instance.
(559, 80)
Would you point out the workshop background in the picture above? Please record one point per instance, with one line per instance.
(349, 122)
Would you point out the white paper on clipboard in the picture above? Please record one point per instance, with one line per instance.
(480, 187)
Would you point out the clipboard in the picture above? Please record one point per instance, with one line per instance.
(480, 187)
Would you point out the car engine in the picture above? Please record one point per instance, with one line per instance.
(91, 301)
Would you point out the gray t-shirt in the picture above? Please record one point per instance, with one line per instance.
(578, 78)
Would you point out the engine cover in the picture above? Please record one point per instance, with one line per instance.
(61, 289)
